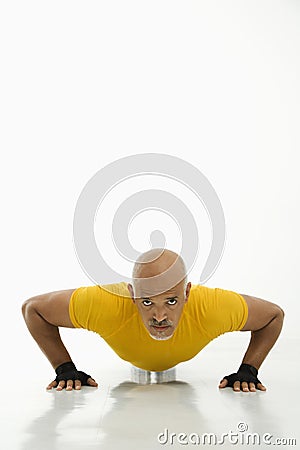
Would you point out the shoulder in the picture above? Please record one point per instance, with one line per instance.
(200, 293)
(115, 289)
(200, 299)
(102, 308)
(222, 310)
(205, 292)
(212, 298)
(114, 293)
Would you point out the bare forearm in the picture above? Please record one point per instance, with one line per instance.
(47, 337)
(262, 341)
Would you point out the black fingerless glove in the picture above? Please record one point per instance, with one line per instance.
(246, 373)
(67, 371)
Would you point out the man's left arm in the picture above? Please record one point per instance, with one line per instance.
(265, 321)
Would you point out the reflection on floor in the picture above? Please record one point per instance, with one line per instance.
(122, 414)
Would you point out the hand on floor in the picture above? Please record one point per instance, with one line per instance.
(246, 387)
(68, 376)
(70, 384)
(244, 379)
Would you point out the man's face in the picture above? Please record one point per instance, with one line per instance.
(161, 313)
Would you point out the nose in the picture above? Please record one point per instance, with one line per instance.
(160, 314)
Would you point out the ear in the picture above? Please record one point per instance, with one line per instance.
(187, 290)
(130, 288)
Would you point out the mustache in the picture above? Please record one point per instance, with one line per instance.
(163, 323)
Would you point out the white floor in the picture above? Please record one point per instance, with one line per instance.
(122, 414)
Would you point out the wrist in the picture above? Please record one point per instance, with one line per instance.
(248, 368)
(65, 367)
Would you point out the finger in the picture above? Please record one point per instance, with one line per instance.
(245, 387)
(69, 385)
(77, 384)
(61, 385)
(92, 382)
(51, 385)
(252, 387)
(261, 387)
(236, 386)
(223, 383)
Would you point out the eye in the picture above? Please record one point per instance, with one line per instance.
(172, 301)
(147, 302)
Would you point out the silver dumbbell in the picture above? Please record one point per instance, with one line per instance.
(140, 376)
(165, 376)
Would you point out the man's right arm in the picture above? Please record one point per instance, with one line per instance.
(43, 315)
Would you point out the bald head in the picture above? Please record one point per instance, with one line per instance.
(157, 271)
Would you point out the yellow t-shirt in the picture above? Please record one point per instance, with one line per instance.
(208, 313)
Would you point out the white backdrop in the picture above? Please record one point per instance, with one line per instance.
(86, 83)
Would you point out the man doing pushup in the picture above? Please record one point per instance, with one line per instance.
(155, 323)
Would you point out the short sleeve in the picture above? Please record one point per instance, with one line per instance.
(81, 303)
(218, 311)
(227, 311)
(100, 308)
